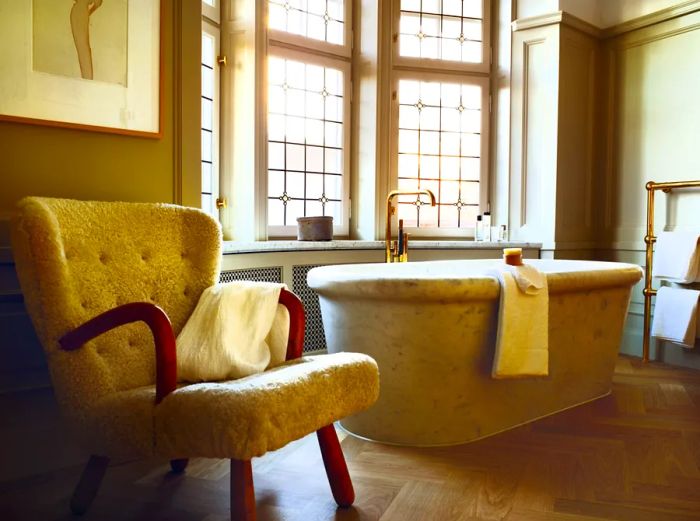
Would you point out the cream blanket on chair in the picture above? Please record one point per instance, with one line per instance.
(522, 340)
(237, 329)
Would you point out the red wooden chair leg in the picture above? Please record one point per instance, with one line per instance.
(336, 468)
(242, 491)
(179, 465)
(89, 484)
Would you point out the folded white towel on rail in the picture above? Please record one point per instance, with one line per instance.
(677, 256)
(522, 340)
(676, 315)
(237, 329)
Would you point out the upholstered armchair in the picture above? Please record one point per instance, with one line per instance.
(109, 286)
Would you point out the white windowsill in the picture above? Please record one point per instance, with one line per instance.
(234, 247)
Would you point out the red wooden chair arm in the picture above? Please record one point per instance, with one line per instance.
(164, 338)
(158, 322)
(297, 322)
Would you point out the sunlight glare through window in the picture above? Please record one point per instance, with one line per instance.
(439, 146)
(305, 141)
(441, 30)
(316, 19)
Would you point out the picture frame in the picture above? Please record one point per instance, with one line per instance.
(94, 65)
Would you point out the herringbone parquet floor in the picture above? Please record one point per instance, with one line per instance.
(632, 456)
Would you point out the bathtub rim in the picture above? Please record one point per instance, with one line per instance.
(370, 282)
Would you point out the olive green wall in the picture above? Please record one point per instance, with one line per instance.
(57, 162)
(49, 161)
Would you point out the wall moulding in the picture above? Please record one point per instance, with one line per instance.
(558, 17)
(655, 33)
(528, 47)
(533, 89)
(576, 143)
(565, 18)
(624, 58)
(657, 17)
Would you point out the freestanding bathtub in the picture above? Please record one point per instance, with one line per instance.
(431, 327)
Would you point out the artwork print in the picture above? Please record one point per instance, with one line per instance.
(94, 65)
(81, 39)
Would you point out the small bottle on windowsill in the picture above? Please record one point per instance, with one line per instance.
(503, 233)
(479, 229)
(486, 233)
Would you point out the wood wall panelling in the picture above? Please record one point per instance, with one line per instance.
(533, 132)
(576, 135)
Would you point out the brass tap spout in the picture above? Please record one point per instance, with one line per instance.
(391, 210)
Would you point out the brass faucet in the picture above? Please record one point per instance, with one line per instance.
(397, 251)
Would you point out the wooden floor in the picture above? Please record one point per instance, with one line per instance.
(633, 456)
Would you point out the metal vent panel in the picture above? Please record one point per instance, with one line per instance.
(272, 274)
(314, 339)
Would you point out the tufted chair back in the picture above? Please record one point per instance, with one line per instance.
(76, 259)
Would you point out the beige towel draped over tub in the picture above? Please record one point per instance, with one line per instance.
(522, 340)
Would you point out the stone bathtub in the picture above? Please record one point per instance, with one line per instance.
(431, 327)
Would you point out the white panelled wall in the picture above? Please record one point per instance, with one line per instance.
(605, 96)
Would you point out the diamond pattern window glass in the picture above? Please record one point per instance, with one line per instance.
(439, 147)
(441, 30)
(317, 19)
(305, 141)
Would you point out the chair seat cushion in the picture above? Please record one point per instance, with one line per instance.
(243, 418)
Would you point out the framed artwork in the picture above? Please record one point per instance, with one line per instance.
(89, 64)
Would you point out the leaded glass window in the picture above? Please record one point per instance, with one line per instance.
(439, 148)
(442, 30)
(305, 141)
(317, 19)
(210, 120)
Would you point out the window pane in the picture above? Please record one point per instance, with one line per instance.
(322, 20)
(207, 114)
(439, 149)
(314, 187)
(305, 145)
(314, 159)
(208, 204)
(209, 130)
(208, 50)
(206, 178)
(207, 153)
(275, 157)
(442, 30)
(275, 185)
(295, 158)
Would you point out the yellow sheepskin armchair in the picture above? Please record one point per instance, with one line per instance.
(77, 260)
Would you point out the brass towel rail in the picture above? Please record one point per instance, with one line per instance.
(649, 240)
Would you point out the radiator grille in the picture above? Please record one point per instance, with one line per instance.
(314, 339)
(273, 274)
